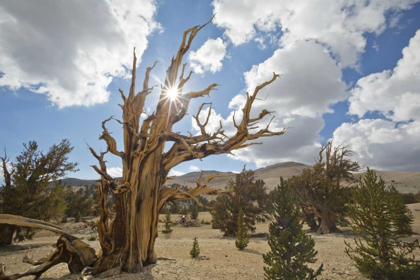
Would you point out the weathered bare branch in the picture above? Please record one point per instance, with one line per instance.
(26, 222)
(202, 126)
(180, 153)
(167, 195)
(201, 93)
(7, 175)
(110, 141)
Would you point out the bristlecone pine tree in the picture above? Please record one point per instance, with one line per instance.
(376, 218)
(242, 236)
(291, 248)
(194, 211)
(127, 231)
(195, 251)
(28, 190)
(250, 195)
(323, 191)
(168, 222)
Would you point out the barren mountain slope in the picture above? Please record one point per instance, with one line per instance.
(405, 182)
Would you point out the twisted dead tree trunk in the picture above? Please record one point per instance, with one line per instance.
(127, 231)
(128, 240)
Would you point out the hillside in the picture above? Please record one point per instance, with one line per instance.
(405, 182)
(270, 174)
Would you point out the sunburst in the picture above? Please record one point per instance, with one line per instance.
(172, 94)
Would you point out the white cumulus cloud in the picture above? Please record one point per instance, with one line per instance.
(387, 144)
(194, 168)
(173, 172)
(381, 144)
(208, 57)
(338, 24)
(395, 93)
(115, 171)
(299, 98)
(71, 50)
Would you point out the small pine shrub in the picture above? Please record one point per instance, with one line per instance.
(195, 251)
(194, 212)
(92, 238)
(291, 248)
(381, 221)
(242, 236)
(78, 217)
(202, 221)
(168, 222)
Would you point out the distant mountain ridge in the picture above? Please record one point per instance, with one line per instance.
(405, 182)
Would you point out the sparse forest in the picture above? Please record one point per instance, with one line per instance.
(150, 213)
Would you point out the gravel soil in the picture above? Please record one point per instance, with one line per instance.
(219, 258)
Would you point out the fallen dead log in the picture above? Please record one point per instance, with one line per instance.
(68, 249)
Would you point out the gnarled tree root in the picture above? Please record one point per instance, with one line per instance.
(75, 253)
(68, 249)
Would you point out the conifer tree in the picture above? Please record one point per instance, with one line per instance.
(168, 222)
(194, 211)
(195, 251)
(32, 188)
(323, 191)
(248, 194)
(291, 249)
(242, 236)
(380, 220)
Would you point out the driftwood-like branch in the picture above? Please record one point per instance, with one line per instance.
(167, 195)
(68, 249)
(110, 141)
(202, 126)
(181, 153)
(26, 222)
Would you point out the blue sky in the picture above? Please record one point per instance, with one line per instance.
(62, 65)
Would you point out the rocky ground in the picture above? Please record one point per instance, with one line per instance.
(219, 258)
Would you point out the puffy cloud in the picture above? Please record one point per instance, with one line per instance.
(395, 93)
(381, 144)
(175, 173)
(71, 50)
(387, 144)
(115, 171)
(342, 30)
(299, 99)
(194, 168)
(299, 143)
(209, 56)
(304, 88)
